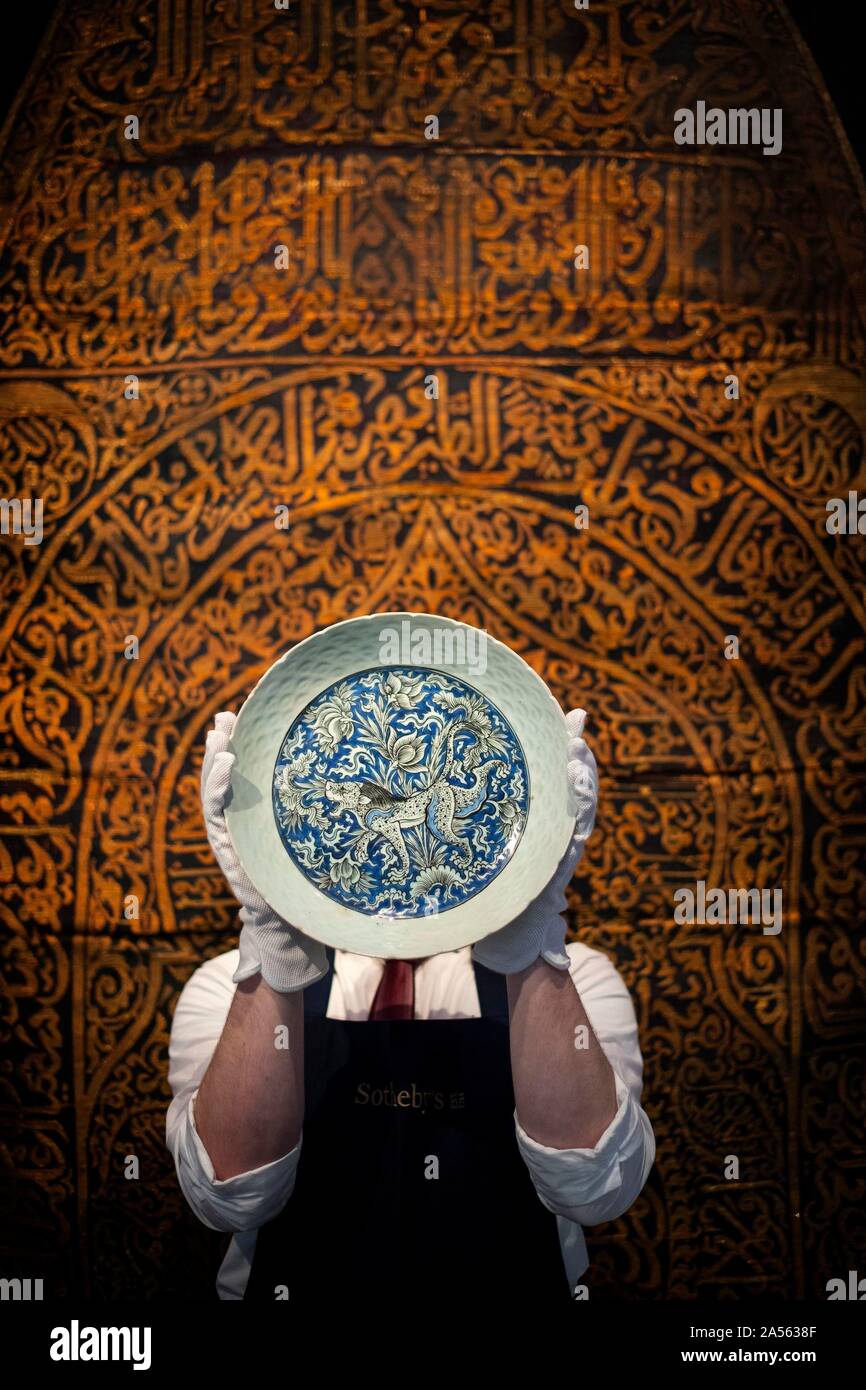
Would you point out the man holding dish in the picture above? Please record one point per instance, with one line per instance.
(414, 1133)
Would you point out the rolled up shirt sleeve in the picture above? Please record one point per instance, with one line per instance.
(588, 1186)
(248, 1200)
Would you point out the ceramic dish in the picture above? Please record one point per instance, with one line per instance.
(399, 785)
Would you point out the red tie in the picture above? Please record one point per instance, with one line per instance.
(395, 997)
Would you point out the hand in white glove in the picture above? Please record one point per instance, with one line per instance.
(540, 929)
(287, 959)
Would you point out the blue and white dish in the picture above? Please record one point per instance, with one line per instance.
(401, 807)
(401, 790)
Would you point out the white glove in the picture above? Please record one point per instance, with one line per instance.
(540, 929)
(287, 959)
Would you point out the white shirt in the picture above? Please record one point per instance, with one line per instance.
(582, 1187)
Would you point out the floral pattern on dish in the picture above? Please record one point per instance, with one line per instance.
(400, 792)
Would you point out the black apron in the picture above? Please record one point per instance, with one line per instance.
(388, 1106)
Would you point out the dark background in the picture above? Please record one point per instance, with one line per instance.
(93, 1000)
(831, 44)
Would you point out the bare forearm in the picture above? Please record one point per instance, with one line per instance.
(250, 1105)
(565, 1094)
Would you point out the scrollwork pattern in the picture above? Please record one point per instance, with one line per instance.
(308, 390)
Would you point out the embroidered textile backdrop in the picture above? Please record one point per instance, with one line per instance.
(305, 386)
